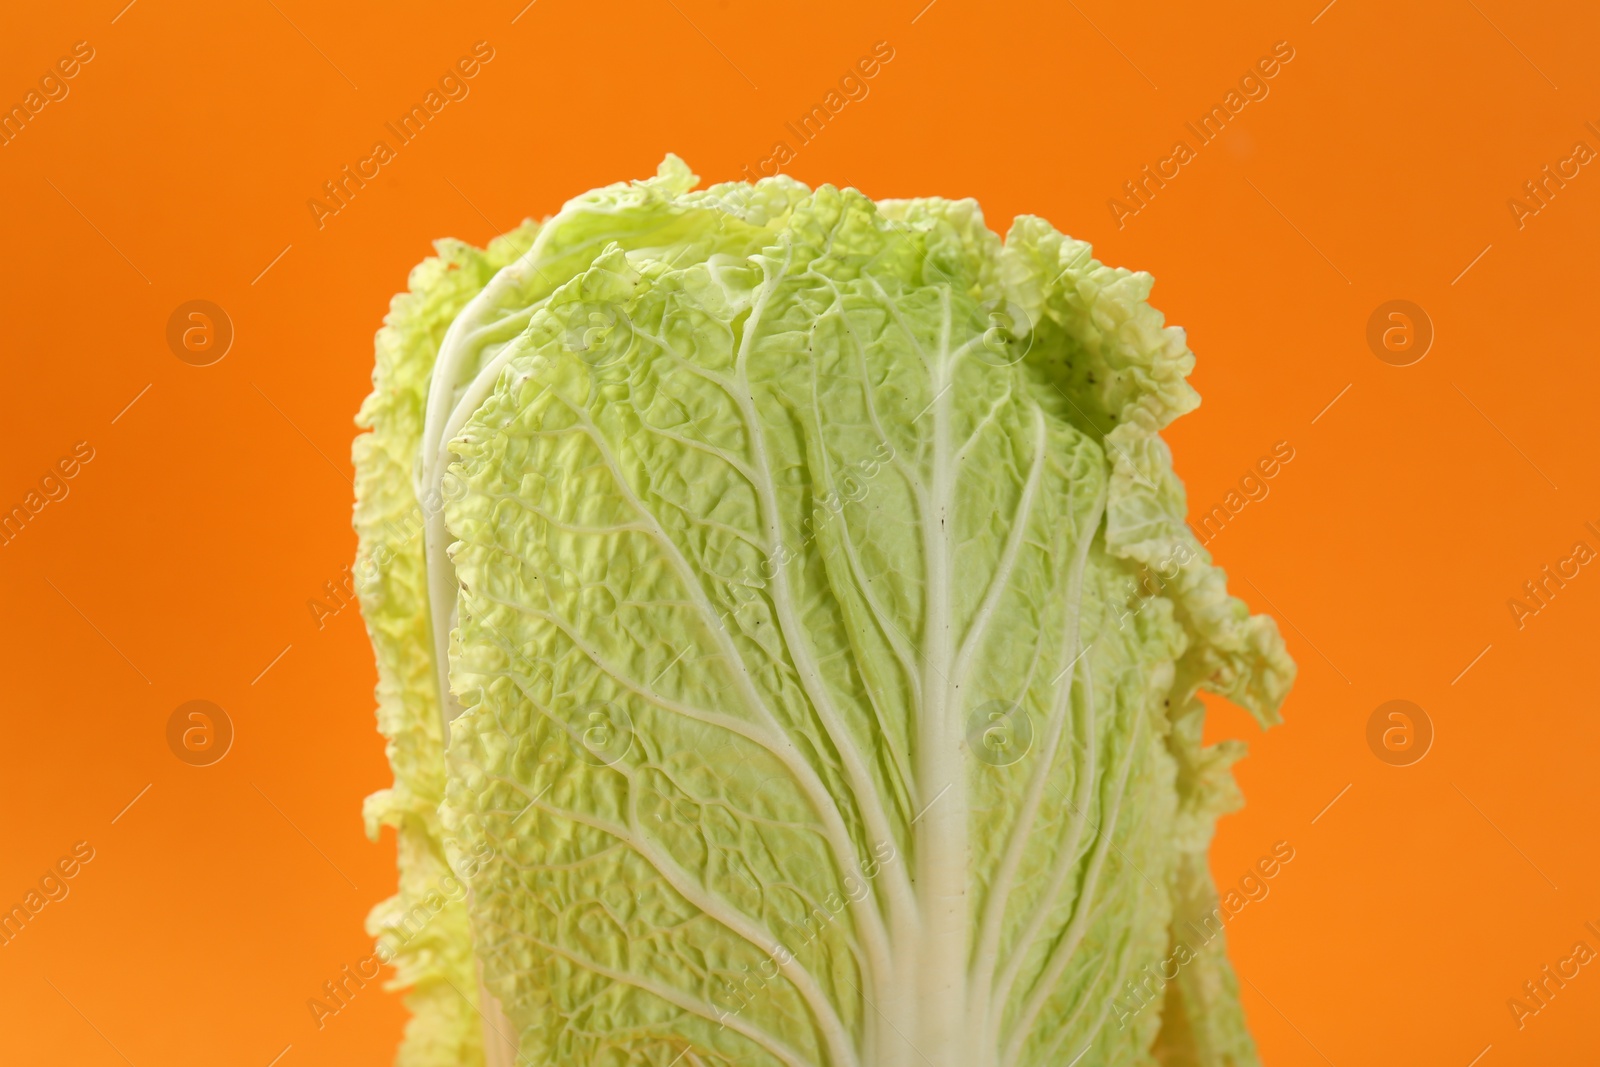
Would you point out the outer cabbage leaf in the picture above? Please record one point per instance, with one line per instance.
(426, 932)
(826, 639)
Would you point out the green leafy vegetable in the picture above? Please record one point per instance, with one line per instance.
(823, 638)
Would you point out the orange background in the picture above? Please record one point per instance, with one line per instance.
(217, 505)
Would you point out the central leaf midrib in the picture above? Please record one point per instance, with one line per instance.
(941, 838)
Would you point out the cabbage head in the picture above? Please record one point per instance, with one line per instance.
(789, 641)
